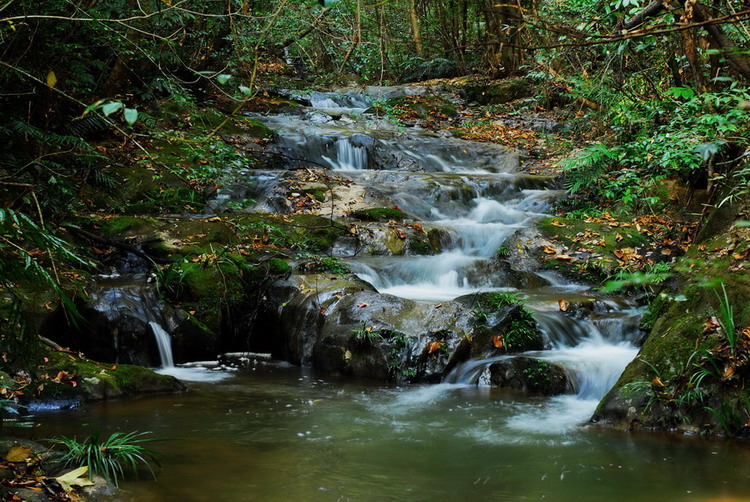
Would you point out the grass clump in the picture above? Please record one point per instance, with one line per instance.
(111, 458)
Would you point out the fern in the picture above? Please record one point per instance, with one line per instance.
(587, 169)
(21, 242)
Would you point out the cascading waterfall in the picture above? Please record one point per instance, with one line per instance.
(164, 344)
(477, 198)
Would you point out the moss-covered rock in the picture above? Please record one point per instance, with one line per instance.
(687, 375)
(378, 214)
(409, 108)
(498, 92)
(66, 376)
(530, 375)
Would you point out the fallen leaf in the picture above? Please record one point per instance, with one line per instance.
(74, 478)
(557, 223)
(728, 372)
(362, 305)
(18, 453)
(563, 304)
(550, 250)
(564, 257)
(657, 381)
(497, 341)
(434, 347)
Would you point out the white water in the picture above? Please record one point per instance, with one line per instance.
(478, 200)
(348, 157)
(164, 344)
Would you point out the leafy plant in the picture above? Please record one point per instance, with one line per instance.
(366, 333)
(726, 319)
(111, 458)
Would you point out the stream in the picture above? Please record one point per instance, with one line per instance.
(280, 432)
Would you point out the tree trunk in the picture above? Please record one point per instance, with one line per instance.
(415, 33)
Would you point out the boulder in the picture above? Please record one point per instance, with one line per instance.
(529, 375)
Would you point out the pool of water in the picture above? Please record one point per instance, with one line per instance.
(281, 433)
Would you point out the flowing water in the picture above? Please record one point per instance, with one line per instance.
(277, 432)
(281, 433)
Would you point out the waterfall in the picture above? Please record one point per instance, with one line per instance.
(591, 359)
(347, 156)
(164, 343)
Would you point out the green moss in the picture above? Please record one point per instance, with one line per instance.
(497, 92)
(378, 214)
(95, 380)
(318, 193)
(422, 107)
(422, 247)
(278, 266)
(127, 225)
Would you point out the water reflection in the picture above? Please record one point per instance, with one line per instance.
(284, 433)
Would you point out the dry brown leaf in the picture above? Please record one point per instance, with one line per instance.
(18, 453)
(563, 304)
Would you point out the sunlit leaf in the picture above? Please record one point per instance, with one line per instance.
(74, 478)
(111, 107)
(131, 115)
(51, 79)
(223, 78)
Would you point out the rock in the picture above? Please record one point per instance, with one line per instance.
(343, 325)
(498, 92)
(101, 491)
(530, 375)
(429, 70)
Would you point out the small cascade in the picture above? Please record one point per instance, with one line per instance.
(332, 101)
(592, 359)
(346, 155)
(164, 343)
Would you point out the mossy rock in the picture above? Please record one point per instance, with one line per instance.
(126, 226)
(95, 381)
(498, 92)
(530, 375)
(378, 214)
(677, 346)
(569, 236)
(421, 107)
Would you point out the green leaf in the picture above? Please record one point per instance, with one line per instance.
(131, 115)
(245, 90)
(111, 108)
(92, 106)
(223, 78)
(681, 92)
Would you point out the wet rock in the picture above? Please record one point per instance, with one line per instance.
(530, 375)
(501, 325)
(343, 325)
(117, 329)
